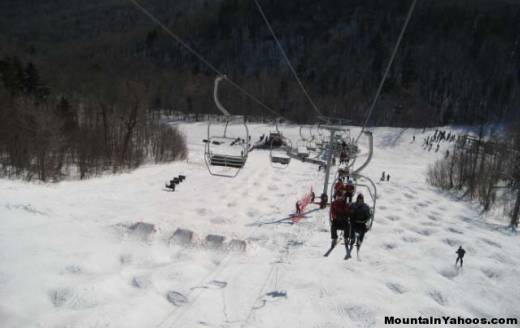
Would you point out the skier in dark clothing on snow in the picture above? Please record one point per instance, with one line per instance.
(460, 254)
(298, 208)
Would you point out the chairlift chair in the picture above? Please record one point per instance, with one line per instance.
(274, 139)
(369, 155)
(322, 137)
(309, 141)
(278, 158)
(367, 184)
(231, 152)
(278, 148)
(311, 145)
(301, 134)
(301, 149)
(316, 139)
(361, 183)
(223, 150)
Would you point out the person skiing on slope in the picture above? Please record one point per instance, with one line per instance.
(298, 208)
(460, 255)
(339, 217)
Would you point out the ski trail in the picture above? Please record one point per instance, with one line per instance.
(176, 315)
(269, 285)
(92, 272)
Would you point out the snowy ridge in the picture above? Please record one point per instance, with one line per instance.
(69, 259)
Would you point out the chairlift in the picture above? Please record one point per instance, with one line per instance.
(348, 137)
(279, 147)
(310, 142)
(227, 151)
(311, 145)
(279, 157)
(316, 140)
(322, 137)
(223, 149)
(276, 138)
(301, 134)
(367, 184)
(369, 155)
(301, 149)
(363, 182)
(304, 136)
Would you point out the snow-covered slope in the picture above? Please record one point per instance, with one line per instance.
(68, 258)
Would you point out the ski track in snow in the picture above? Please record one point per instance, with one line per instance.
(69, 259)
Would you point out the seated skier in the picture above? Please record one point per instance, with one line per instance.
(343, 157)
(343, 173)
(349, 189)
(338, 187)
(339, 217)
(360, 215)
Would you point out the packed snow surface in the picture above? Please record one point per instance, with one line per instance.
(101, 252)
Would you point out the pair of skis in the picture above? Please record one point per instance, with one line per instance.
(348, 248)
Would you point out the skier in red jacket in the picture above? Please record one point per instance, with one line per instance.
(338, 187)
(339, 215)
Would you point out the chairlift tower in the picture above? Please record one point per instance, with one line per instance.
(332, 130)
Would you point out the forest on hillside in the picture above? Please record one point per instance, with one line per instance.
(459, 62)
(81, 83)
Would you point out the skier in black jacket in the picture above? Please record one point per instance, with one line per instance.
(360, 215)
(460, 255)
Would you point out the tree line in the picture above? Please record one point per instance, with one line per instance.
(50, 136)
(485, 168)
(458, 62)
